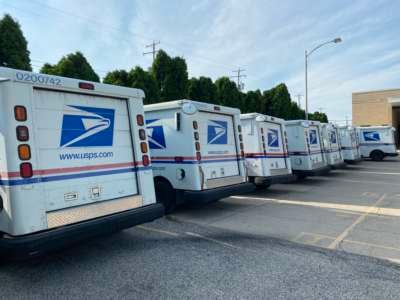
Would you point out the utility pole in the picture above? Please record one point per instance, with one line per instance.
(238, 77)
(299, 96)
(154, 51)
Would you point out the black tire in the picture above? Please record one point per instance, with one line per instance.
(166, 195)
(301, 177)
(377, 155)
(262, 186)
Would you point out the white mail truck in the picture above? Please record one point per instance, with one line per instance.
(266, 151)
(74, 162)
(349, 144)
(305, 148)
(376, 142)
(197, 152)
(331, 145)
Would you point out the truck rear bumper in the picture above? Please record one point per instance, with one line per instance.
(316, 172)
(339, 165)
(392, 154)
(277, 179)
(20, 247)
(211, 195)
(353, 161)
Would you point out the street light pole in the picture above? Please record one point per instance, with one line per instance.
(306, 56)
(306, 93)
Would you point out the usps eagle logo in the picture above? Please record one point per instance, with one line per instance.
(371, 136)
(155, 134)
(333, 138)
(217, 133)
(313, 137)
(273, 139)
(87, 127)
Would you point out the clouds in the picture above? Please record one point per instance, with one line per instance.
(267, 38)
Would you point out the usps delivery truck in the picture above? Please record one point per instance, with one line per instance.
(331, 145)
(376, 142)
(305, 148)
(197, 152)
(349, 144)
(266, 151)
(74, 161)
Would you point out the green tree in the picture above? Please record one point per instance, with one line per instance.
(252, 102)
(117, 77)
(14, 51)
(73, 65)
(139, 78)
(202, 89)
(176, 81)
(227, 93)
(319, 116)
(171, 75)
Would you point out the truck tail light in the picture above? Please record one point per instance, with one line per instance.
(25, 170)
(22, 133)
(197, 146)
(239, 128)
(24, 152)
(195, 125)
(241, 146)
(145, 160)
(242, 153)
(142, 134)
(140, 120)
(143, 147)
(20, 113)
(86, 86)
(196, 136)
(198, 156)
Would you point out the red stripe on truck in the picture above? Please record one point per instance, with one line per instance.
(74, 169)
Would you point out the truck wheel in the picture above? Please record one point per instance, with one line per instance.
(262, 186)
(377, 155)
(165, 195)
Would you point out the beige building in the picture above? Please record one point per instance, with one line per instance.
(377, 108)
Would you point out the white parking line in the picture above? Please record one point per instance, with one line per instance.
(380, 211)
(355, 181)
(212, 240)
(174, 234)
(371, 172)
(347, 231)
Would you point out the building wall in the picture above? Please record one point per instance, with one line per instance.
(373, 108)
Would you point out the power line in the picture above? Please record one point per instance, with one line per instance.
(239, 77)
(154, 51)
(129, 32)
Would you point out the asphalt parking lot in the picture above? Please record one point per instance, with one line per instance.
(356, 210)
(294, 241)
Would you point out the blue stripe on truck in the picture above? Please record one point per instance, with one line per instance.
(13, 182)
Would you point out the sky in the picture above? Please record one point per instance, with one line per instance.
(266, 38)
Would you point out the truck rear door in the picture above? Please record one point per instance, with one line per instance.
(314, 139)
(273, 136)
(333, 139)
(218, 146)
(84, 149)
